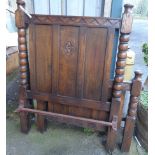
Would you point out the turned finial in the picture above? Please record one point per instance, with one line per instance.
(128, 8)
(138, 75)
(20, 2)
(127, 19)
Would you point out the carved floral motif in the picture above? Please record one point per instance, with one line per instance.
(68, 48)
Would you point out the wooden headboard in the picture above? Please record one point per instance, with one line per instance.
(71, 56)
(67, 71)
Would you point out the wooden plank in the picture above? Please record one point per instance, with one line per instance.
(81, 60)
(94, 63)
(98, 105)
(75, 21)
(55, 58)
(43, 67)
(43, 61)
(107, 65)
(32, 57)
(92, 104)
(68, 57)
(112, 134)
(41, 121)
(128, 133)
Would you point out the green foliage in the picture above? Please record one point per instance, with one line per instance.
(145, 52)
(88, 131)
(142, 8)
(144, 99)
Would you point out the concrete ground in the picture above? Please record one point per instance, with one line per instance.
(61, 139)
(138, 37)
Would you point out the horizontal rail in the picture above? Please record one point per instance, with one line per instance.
(79, 121)
(126, 85)
(75, 21)
(72, 101)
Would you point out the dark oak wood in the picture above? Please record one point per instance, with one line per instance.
(23, 62)
(41, 121)
(132, 111)
(67, 67)
(83, 122)
(68, 72)
(119, 74)
(92, 104)
(74, 21)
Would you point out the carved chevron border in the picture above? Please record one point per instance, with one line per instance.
(79, 21)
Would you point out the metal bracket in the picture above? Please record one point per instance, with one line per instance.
(114, 122)
(25, 11)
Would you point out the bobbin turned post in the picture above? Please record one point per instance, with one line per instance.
(131, 116)
(119, 73)
(23, 63)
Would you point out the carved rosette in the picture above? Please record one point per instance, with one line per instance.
(68, 48)
(122, 51)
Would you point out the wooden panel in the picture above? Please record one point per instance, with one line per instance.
(69, 67)
(68, 60)
(41, 121)
(43, 57)
(55, 58)
(106, 92)
(81, 61)
(94, 63)
(32, 57)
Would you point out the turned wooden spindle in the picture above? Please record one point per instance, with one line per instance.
(23, 63)
(132, 111)
(122, 50)
(125, 31)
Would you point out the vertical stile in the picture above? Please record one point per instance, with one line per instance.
(132, 110)
(119, 74)
(23, 62)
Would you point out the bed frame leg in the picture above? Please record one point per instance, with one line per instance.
(24, 116)
(24, 67)
(41, 121)
(131, 117)
(24, 122)
(119, 74)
